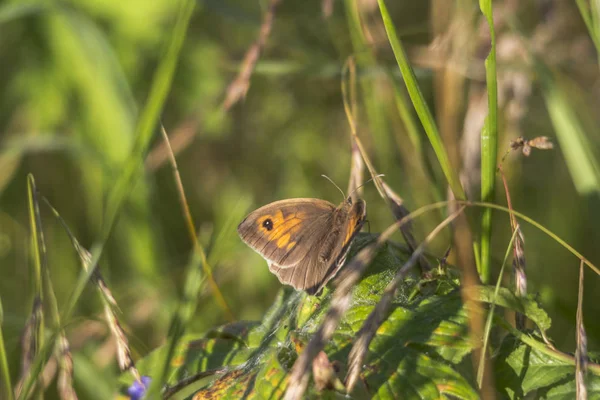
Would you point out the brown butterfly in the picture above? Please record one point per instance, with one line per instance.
(305, 241)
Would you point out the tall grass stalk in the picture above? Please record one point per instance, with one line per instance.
(6, 390)
(488, 322)
(574, 143)
(420, 105)
(419, 159)
(589, 12)
(182, 317)
(366, 61)
(489, 146)
(185, 208)
(132, 169)
(37, 313)
(425, 116)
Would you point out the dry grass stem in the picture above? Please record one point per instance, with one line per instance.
(379, 314)
(65, 373)
(239, 87)
(29, 344)
(393, 200)
(340, 303)
(325, 373)
(581, 351)
(519, 254)
(181, 137)
(123, 352)
(326, 8)
(192, 230)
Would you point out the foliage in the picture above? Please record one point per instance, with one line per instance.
(421, 351)
(85, 85)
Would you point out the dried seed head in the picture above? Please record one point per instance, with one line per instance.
(540, 142)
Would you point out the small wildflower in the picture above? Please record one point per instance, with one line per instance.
(137, 390)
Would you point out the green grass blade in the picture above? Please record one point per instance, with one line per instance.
(366, 61)
(41, 257)
(569, 125)
(589, 15)
(35, 239)
(6, 390)
(489, 146)
(145, 128)
(110, 307)
(414, 135)
(424, 114)
(574, 143)
(14, 11)
(43, 350)
(407, 119)
(488, 322)
(148, 121)
(44, 354)
(420, 105)
(37, 366)
(185, 312)
(37, 316)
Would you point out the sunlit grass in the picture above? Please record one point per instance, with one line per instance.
(70, 114)
(489, 147)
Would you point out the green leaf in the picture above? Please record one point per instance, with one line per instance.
(525, 305)
(522, 370)
(422, 350)
(423, 339)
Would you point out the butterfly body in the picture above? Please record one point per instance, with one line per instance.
(304, 241)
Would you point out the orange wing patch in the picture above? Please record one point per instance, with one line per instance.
(351, 227)
(279, 228)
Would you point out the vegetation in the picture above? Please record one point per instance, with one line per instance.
(136, 135)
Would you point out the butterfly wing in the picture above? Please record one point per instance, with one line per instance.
(284, 232)
(320, 265)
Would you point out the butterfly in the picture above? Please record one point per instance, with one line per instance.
(305, 241)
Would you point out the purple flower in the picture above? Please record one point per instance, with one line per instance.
(137, 390)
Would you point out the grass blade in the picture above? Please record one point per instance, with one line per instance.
(34, 329)
(109, 303)
(581, 357)
(380, 313)
(370, 93)
(415, 154)
(488, 322)
(14, 11)
(185, 311)
(587, 12)
(583, 166)
(145, 128)
(146, 124)
(489, 146)
(340, 302)
(192, 229)
(36, 248)
(63, 353)
(6, 390)
(420, 105)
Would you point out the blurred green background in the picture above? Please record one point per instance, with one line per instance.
(75, 74)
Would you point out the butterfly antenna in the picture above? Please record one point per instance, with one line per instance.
(338, 188)
(364, 183)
